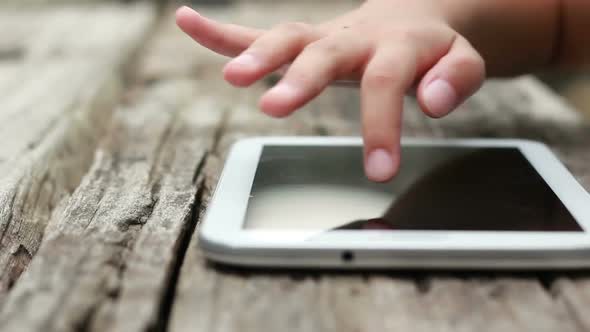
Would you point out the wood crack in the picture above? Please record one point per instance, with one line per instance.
(10, 214)
(95, 212)
(199, 169)
(185, 239)
(39, 192)
(18, 262)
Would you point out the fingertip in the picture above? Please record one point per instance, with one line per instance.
(235, 78)
(182, 10)
(381, 165)
(438, 98)
(190, 22)
(184, 14)
(243, 70)
(273, 107)
(282, 100)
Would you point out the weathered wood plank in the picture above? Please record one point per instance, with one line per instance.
(113, 247)
(111, 253)
(575, 294)
(58, 95)
(217, 305)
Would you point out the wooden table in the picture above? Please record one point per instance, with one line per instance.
(113, 129)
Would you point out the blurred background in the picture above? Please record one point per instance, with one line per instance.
(574, 87)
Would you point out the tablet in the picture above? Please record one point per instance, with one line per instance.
(478, 204)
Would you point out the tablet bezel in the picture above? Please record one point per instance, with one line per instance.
(222, 229)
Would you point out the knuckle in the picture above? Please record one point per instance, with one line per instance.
(308, 81)
(217, 39)
(294, 27)
(299, 77)
(379, 81)
(403, 34)
(328, 47)
(414, 33)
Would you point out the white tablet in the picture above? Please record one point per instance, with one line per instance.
(482, 204)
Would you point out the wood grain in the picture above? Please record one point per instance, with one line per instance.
(58, 96)
(117, 239)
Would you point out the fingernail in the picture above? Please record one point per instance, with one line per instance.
(283, 90)
(188, 10)
(380, 165)
(440, 97)
(245, 61)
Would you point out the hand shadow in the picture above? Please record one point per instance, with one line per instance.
(487, 190)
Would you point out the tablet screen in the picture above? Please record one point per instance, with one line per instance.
(437, 188)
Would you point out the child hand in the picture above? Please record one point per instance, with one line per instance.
(389, 46)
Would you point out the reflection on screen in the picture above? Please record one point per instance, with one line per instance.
(437, 188)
